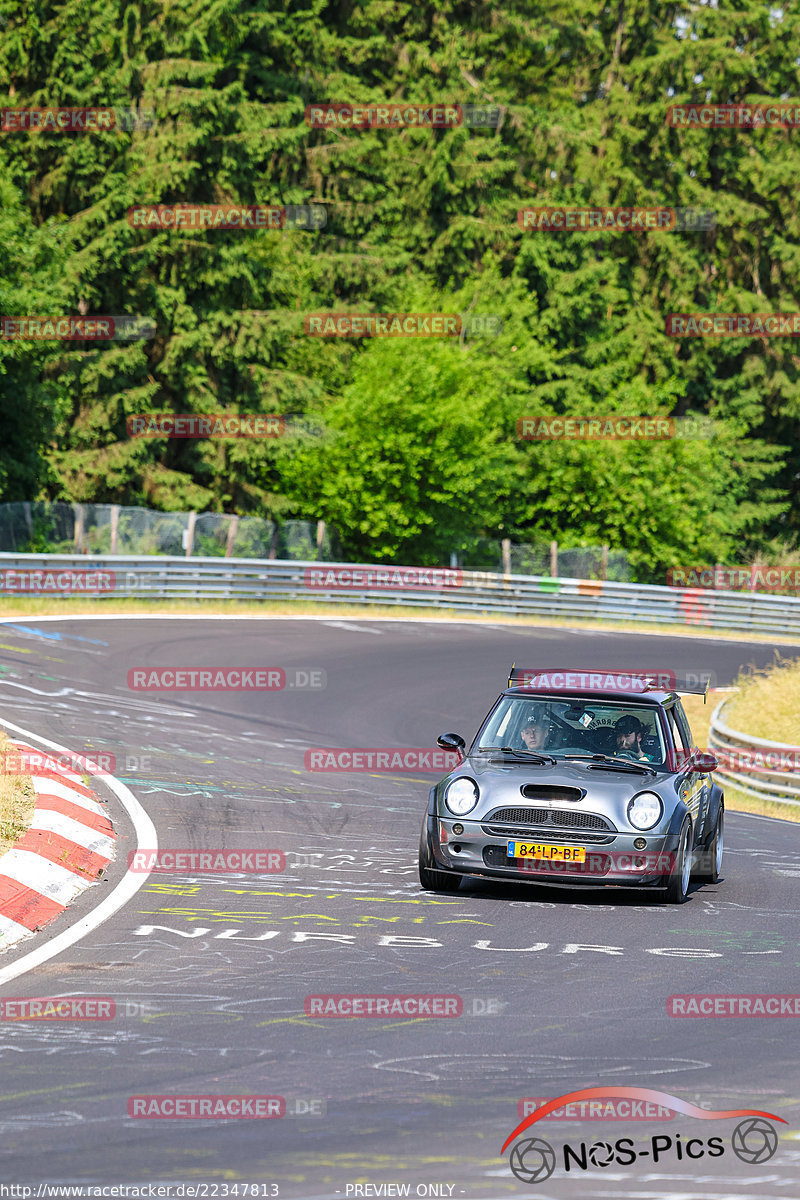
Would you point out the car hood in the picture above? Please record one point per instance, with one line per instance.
(607, 792)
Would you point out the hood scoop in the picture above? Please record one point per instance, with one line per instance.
(553, 792)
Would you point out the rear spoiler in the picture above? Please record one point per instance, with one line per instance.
(559, 679)
(693, 689)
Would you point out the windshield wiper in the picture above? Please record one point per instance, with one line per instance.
(622, 764)
(540, 759)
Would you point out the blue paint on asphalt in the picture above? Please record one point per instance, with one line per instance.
(55, 636)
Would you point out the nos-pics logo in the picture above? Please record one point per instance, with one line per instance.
(533, 1160)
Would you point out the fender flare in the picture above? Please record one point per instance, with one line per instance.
(716, 800)
(427, 841)
(679, 815)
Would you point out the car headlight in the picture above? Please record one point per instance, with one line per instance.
(644, 810)
(461, 796)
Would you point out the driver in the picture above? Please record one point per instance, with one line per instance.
(534, 734)
(628, 731)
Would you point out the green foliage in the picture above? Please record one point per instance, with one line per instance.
(409, 448)
(412, 455)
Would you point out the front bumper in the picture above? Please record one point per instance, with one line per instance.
(616, 861)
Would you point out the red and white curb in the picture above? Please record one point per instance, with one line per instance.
(68, 845)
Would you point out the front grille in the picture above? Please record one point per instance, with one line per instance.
(550, 816)
(543, 791)
(581, 837)
(520, 816)
(549, 823)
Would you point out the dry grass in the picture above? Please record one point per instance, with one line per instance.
(779, 701)
(17, 800)
(768, 704)
(736, 801)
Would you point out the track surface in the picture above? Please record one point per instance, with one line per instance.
(577, 981)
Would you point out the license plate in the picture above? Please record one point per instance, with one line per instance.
(548, 853)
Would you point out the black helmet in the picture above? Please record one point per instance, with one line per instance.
(629, 724)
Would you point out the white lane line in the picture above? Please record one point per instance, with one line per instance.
(127, 887)
(51, 787)
(352, 628)
(73, 831)
(45, 877)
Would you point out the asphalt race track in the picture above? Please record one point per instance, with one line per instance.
(561, 989)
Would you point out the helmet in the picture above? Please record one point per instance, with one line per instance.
(628, 724)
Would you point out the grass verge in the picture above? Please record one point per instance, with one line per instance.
(17, 800)
(768, 703)
(775, 691)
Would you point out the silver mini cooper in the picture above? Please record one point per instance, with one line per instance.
(577, 778)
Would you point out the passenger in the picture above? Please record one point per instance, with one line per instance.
(628, 731)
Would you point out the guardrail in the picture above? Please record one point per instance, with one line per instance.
(767, 770)
(173, 578)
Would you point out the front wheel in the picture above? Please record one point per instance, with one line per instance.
(712, 864)
(431, 879)
(438, 881)
(678, 881)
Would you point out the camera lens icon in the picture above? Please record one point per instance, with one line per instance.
(754, 1140)
(533, 1160)
(601, 1154)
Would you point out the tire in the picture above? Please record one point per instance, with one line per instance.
(712, 866)
(430, 879)
(438, 881)
(678, 879)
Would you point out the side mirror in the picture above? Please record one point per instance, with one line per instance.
(705, 763)
(453, 742)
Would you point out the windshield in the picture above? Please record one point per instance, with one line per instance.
(560, 727)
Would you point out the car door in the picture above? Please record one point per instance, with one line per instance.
(702, 782)
(689, 782)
